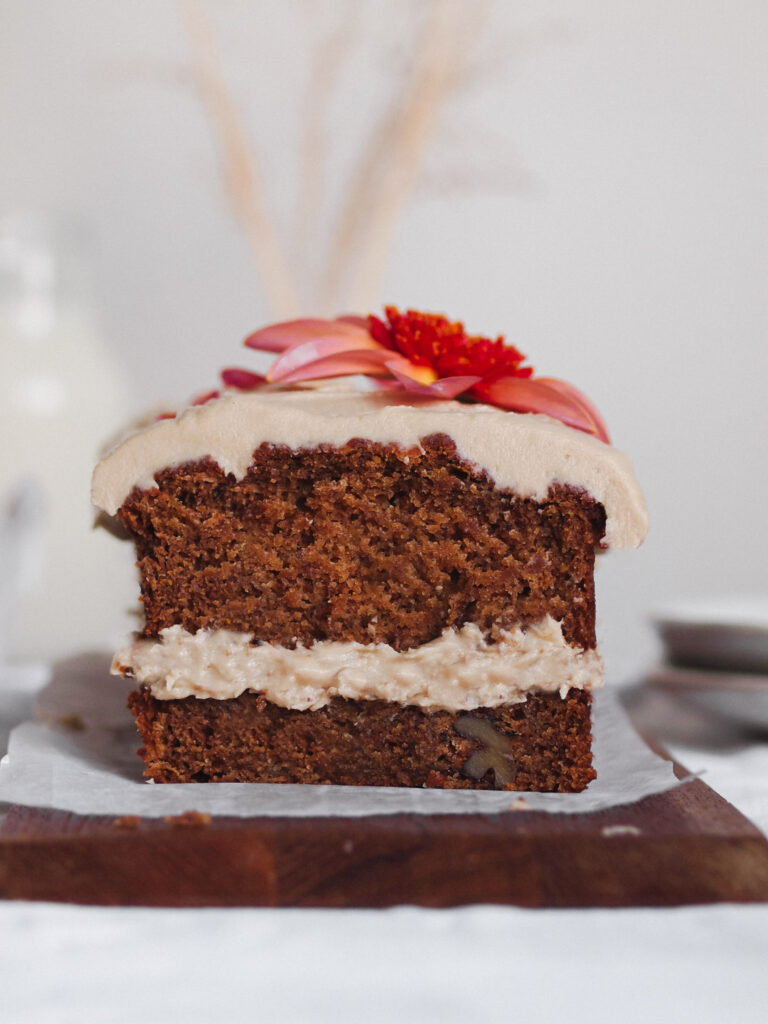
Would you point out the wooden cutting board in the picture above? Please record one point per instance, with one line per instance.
(681, 847)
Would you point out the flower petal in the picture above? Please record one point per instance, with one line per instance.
(279, 337)
(337, 364)
(355, 321)
(450, 387)
(321, 347)
(447, 387)
(543, 395)
(243, 380)
(567, 388)
(207, 396)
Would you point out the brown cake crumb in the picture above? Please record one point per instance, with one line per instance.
(188, 819)
(73, 722)
(367, 743)
(128, 821)
(363, 542)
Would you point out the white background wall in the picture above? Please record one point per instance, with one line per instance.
(597, 193)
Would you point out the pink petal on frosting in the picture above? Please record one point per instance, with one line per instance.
(355, 321)
(450, 387)
(541, 395)
(338, 364)
(447, 387)
(207, 396)
(568, 389)
(279, 337)
(329, 344)
(243, 380)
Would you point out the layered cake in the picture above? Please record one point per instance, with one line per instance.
(385, 584)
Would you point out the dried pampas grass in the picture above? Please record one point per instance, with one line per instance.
(382, 178)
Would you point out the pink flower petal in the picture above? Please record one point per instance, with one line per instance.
(387, 384)
(538, 395)
(450, 387)
(322, 347)
(568, 389)
(243, 380)
(356, 321)
(338, 364)
(447, 387)
(207, 396)
(279, 337)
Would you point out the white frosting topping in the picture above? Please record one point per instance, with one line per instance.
(524, 453)
(459, 671)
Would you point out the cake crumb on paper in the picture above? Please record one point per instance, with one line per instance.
(73, 722)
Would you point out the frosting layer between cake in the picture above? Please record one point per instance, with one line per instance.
(524, 453)
(458, 671)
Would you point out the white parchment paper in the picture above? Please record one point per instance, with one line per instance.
(79, 755)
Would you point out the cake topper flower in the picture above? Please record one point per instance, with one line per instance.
(421, 353)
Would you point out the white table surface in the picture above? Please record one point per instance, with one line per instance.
(478, 964)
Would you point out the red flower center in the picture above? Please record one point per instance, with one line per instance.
(429, 339)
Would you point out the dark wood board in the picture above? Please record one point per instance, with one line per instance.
(681, 847)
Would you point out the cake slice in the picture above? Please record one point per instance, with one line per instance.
(380, 588)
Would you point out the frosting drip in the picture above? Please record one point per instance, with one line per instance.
(459, 671)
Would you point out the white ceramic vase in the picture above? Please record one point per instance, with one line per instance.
(62, 393)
